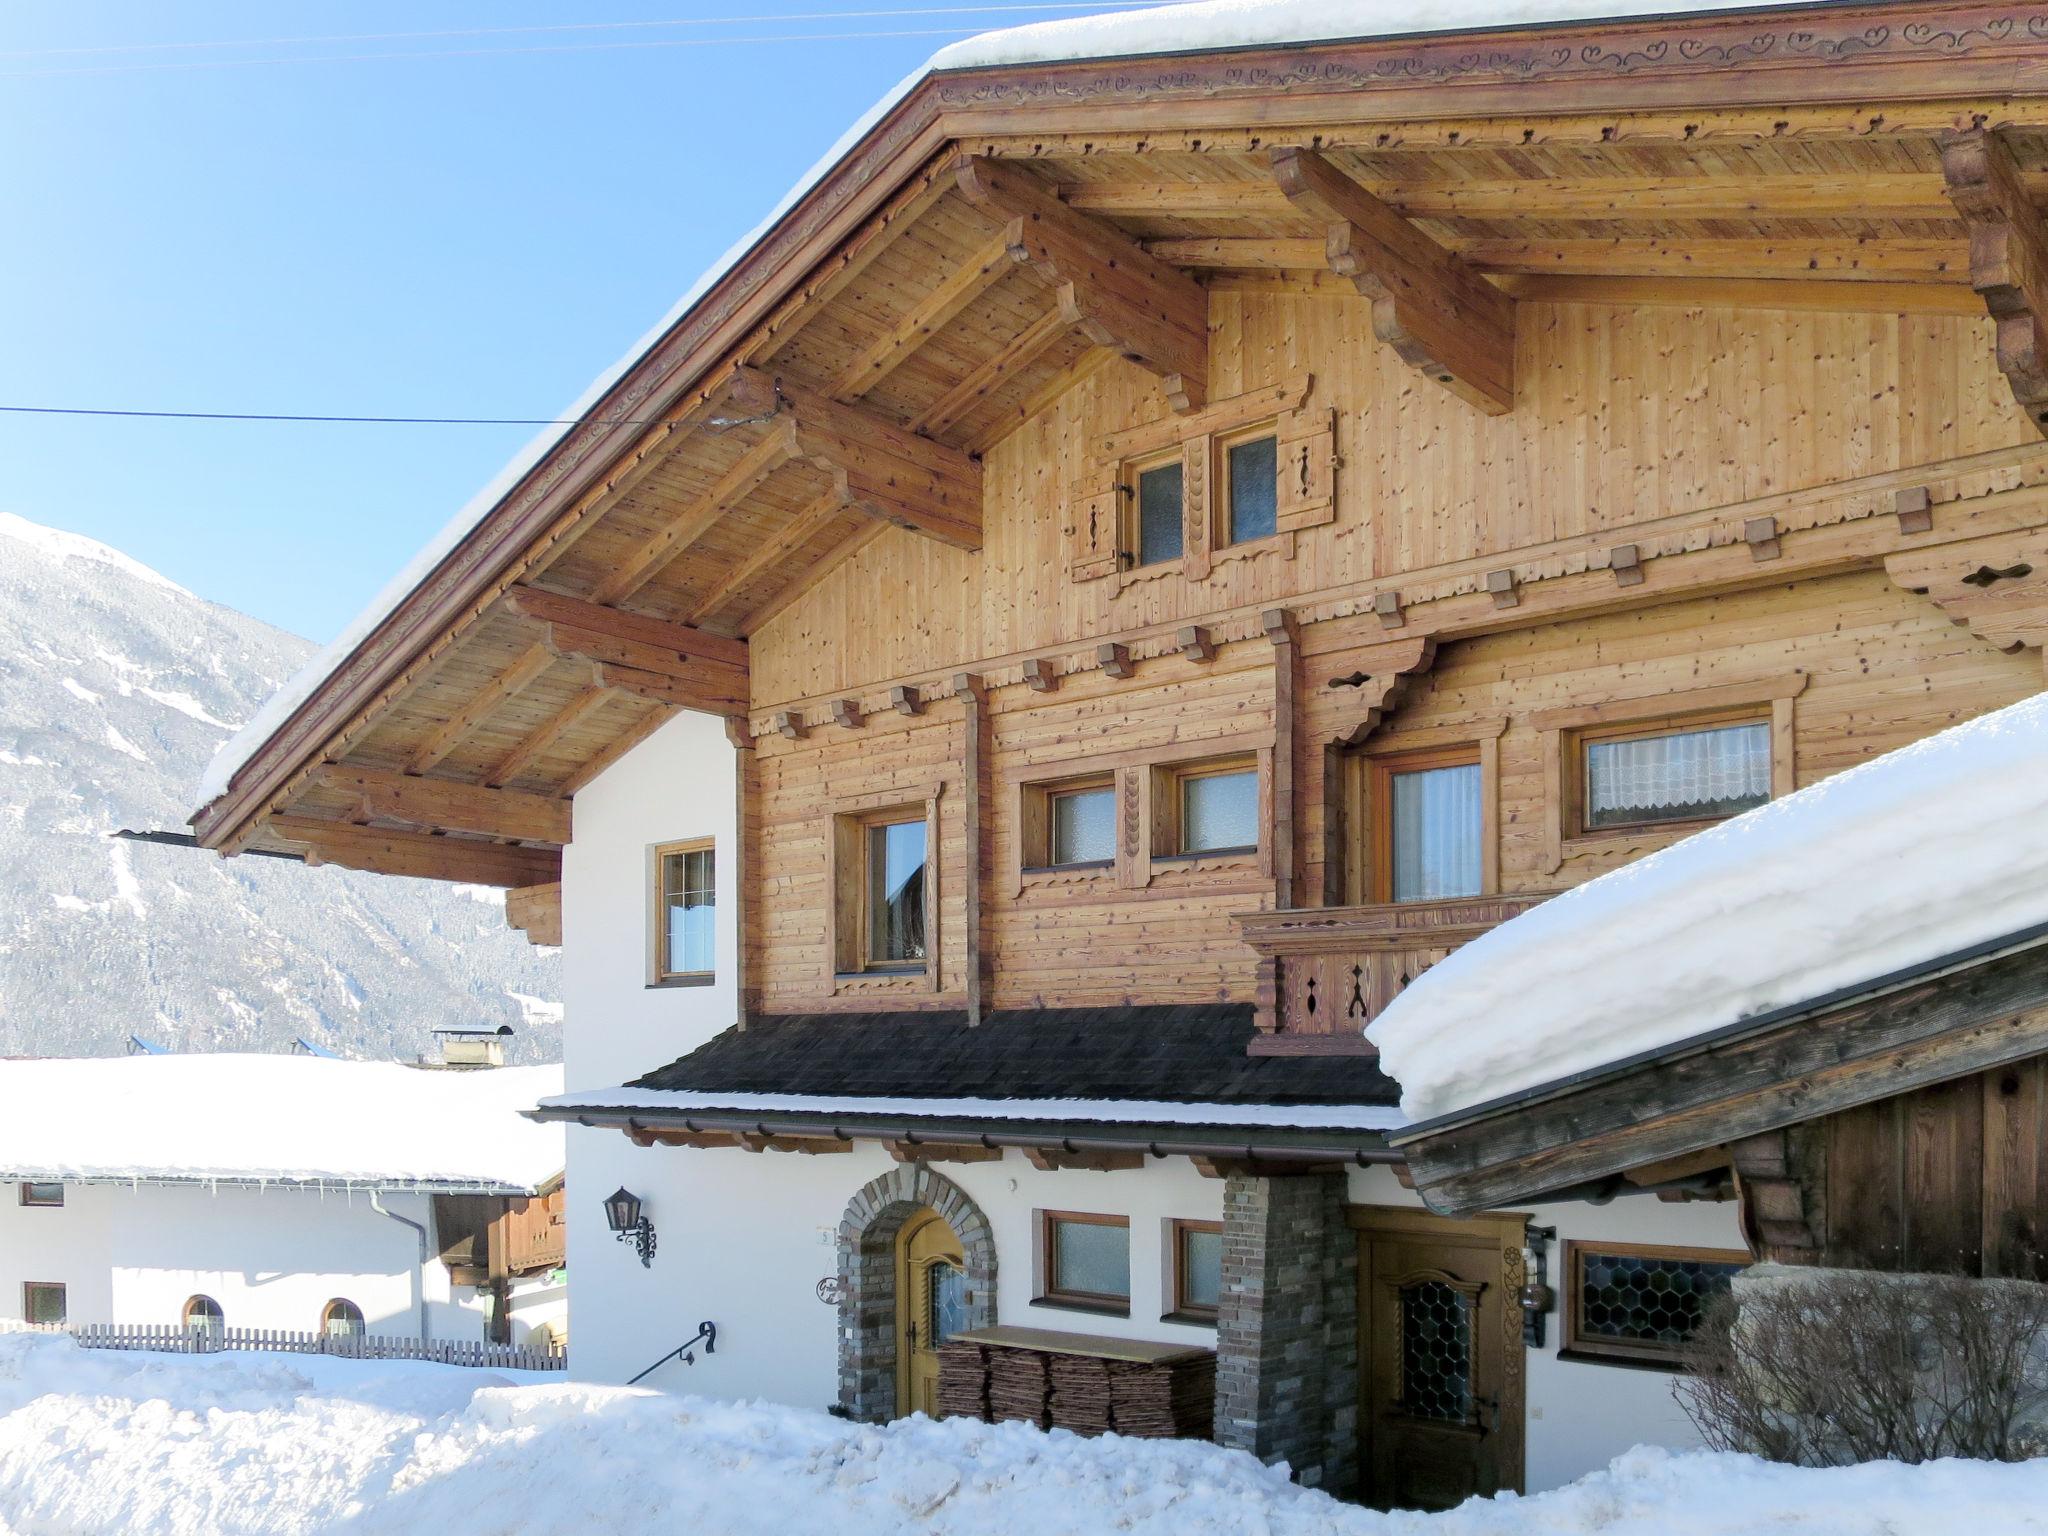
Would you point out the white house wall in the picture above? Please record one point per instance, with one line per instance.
(675, 785)
(272, 1258)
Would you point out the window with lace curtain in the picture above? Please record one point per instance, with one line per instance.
(1643, 776)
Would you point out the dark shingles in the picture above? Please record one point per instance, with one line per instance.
(1191, 1053)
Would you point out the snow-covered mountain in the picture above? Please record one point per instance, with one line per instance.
(116, 687)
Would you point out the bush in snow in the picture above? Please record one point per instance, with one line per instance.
(1831, 1367)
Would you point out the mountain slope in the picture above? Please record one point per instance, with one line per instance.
(116, 687)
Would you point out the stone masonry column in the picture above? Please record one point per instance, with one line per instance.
(1287, 1328)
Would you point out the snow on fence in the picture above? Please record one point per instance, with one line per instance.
(175, 1340)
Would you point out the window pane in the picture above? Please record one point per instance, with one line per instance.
(42, 1303)
(1201, 1267)
(946, 1295)
(42, 1194)
(896, 892)
(1436, 833)
(1091, 1259)
(1647, 1299)
(1254, 489)
(1219, 810)
(1084, 826)
(1159, 527)
(1436, 1352)
(690, 895)
(344, 1320)
(1678, 777)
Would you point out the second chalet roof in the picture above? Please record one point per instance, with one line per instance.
(1164, 1064)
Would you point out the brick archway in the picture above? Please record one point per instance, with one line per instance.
(867, 1279)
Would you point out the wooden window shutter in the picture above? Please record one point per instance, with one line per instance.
(1092, 524)
(1308, 469)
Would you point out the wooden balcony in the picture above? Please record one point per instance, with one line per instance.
(1326, 972)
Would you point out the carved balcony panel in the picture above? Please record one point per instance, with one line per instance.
(1326, 972)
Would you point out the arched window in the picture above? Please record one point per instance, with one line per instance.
(341, 1319)
(205, 1323)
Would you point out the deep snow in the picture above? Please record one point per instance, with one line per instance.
(1211, 24)
(1897, 862)
(119, 1444)
(301, 1118)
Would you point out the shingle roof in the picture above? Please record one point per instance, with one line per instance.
(1175, 1053)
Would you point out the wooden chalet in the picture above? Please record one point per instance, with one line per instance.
(1220, 523)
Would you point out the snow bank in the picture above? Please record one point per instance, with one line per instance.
(1165, 29)
(117, 1444)
(1909, 857)
(1327, 1117)
(297, 1118)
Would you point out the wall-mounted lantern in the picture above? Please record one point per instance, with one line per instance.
(622, 1214)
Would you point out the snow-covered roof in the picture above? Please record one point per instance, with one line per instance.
(1199, 28)
(1914, 856)
(276, 1119)
(1315, 1117)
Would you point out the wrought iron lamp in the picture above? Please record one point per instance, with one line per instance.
(622, 1213)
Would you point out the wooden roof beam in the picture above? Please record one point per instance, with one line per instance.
(2008, 259)
(925, 319)
(585, 702)
(419, 855)
(1109, 288)
(523, 669)
(536, 911)
(446, 806)
(1434, 310)
(778, 547)
(753, 467)
(884, 470)
(606, 633)
(709, 690)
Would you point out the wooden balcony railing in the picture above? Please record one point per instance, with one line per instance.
(1326, 972)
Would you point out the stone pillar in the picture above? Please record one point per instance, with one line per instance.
(1287, 1328)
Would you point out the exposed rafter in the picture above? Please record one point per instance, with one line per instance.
(454, 807)
(706, 693)
(418, 854)
(925, 319)
(1019, 353)
(1109, 288)
(523, 669)
(786, 541)
(2008, 259)
(586, 701)
(884, 470)
(653, 658)
(1433, 309)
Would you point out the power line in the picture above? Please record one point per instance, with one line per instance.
(389, 421)
(576, 26)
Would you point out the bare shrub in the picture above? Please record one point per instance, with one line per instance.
(1826, 1368)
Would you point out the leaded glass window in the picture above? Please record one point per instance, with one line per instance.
(945, 1300)
(1642, 1303)
(1436, 1351)
(1686, 775)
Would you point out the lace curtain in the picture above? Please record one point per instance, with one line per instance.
(1677, 777)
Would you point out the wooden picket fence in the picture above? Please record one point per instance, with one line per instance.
(173, 1340)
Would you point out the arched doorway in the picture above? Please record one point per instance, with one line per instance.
(931, 1306)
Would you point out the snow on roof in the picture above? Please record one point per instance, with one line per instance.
(1321, 1117)
(1205, 27)
(1908, 858)
(296, 1119)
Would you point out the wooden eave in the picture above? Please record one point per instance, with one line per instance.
(1790, 156)
(1950, 1018)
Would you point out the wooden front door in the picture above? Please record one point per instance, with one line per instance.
(1440, 1356)
(931, 1306)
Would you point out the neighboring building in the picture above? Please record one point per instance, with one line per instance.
(1176, 549)
(280, 1192)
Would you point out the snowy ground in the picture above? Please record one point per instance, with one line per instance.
(231, 1445)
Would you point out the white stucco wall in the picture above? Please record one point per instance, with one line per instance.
(272, 1258)
(677, 784)
(744, 1239)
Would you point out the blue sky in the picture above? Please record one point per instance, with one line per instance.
(467, 233)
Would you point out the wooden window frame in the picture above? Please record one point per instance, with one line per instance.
(1049, 1293)
(1382, 767)
(1035, 823)
(1224, 536)
(847, 959)
(1185, 1311)
(1578, 741)
(63, 1298)
(24, 1195)
(1168, 779)
(663, 975)
(219, 1322)
(327, 1315)
(1576, 1346)
(1131, 481)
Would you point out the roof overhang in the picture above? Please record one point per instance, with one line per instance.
(1761, 76)
(379, 1185)
(1954, 1016)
